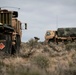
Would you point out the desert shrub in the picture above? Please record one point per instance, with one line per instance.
(74, 59)
(46, 49)
(1, 63)
(41, 61)
(23, 70)
(18, 70)
(70, 46)
(70, 71)
(1, 66)
(72, 66)
(33, 43)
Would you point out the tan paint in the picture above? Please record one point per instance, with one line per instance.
(6, 17)
(16, 24)
(52, 35)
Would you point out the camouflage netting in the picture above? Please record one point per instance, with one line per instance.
(67, 32)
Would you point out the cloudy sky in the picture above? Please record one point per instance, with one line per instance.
(43, 15)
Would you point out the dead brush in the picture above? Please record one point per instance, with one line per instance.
(33, 44)
(46, 49)
(70, 46)
(19, 68)
(29, 48)
(41, 61)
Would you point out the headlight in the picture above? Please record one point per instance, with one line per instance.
(47, 33)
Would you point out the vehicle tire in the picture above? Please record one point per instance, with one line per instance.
(18, 42)
(8, 46)
(13, 49)
(53, 40)
(16, 47)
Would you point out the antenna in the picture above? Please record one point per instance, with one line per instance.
(57, 21)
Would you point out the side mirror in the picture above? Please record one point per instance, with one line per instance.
(15, 14)
(25, 25)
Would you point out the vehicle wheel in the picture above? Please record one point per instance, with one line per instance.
(18, 42)
(16, 47)
(53, 40)
(13, 49)
(8, 47)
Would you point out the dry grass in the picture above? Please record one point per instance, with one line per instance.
(41, 61)
(38, 59)
(70, 46)
(18, 66)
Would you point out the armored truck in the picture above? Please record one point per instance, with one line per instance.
(61, 35)
(10, 31)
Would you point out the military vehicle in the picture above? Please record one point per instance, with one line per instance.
(61, 35)
(10, 31)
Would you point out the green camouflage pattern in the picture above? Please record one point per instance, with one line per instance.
(65, 32)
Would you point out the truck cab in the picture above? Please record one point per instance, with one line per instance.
(50, 35)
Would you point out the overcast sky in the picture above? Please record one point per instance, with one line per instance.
(43, 15)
